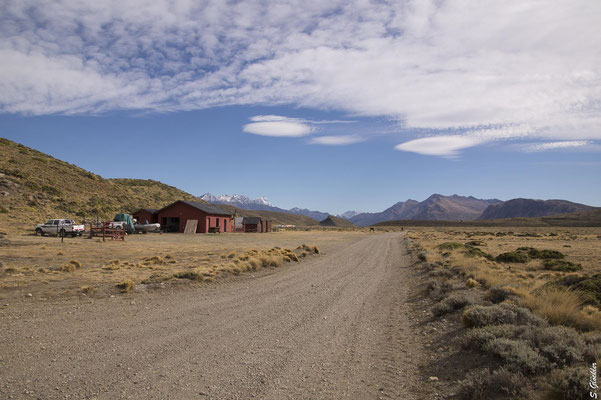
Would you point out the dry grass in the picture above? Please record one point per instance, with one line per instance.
(529, 280)
(31, 263)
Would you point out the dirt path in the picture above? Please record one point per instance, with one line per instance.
(334, 327)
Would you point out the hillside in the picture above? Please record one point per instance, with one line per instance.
(435, 207)
(531, 208)
(336, 222)
(35, 187)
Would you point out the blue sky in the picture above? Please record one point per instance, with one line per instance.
(337, 106)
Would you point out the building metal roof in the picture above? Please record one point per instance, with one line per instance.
(252, 220)
(204, 207)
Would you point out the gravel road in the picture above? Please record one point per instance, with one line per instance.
(337, 326)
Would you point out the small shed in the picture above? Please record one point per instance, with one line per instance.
(211, 218)
(252, 224)
(146, 214)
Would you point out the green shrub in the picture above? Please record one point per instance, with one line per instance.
(449, 246)
(561, 265)
(518, 355)
(570, 384)
(513, 257)
(471, 251)
(450, 304)
(589, 286)
(482, 384)
(3, 210)
(422, 256)
(479, 316)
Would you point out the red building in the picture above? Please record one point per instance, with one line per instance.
(211, 218)
(146, 214)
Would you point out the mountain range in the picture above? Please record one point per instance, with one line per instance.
(436, 207)
(35, 186)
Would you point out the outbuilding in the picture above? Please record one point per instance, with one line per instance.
(256, 224)
(208, 217)
(146, 214)
(252, 224)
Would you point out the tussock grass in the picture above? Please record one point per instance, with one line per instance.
(87, 289)
(561, 307)
(126, 286)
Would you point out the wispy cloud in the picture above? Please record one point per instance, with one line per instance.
(557, 145)
(458, 67)
(341, 140)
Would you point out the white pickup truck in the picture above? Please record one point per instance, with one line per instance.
(59, 227)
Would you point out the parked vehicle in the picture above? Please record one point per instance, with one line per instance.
(147, 227)
(123, 221)
(59, 227)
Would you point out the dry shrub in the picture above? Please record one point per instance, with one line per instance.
(482, 384)
(498, 294)
(452, 303)
(87, 289)
(126, 285)
(570, 384)
(518, 355)
(76, 263)
(254, 263)
(471, 283)
(60, 253)
(168, 257)
(479, 316)
(315, 250)
(68, 268)
(231, 255)
(190, 275)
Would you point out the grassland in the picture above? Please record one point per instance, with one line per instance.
(523, 305)
(47, 268)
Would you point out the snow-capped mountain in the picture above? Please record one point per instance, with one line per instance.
(241, 201)
(235, 198)
(349, 214)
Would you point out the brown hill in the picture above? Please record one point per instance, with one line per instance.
(531, 208)
(336, 222)
(590, 218)
(35, 187)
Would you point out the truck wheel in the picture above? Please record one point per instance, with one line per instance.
(39, 231)
(74, 234)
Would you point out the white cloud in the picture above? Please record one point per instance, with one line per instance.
(340, 140)
(557, 145)
(275, 125)
(455, 68)
(446, 146)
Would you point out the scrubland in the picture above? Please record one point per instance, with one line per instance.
(523, 306)
(46, 268)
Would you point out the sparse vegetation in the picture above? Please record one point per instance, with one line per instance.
(126, 286)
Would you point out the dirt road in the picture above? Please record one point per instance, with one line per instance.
(337, 326)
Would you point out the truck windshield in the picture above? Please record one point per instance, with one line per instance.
(55, 222)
